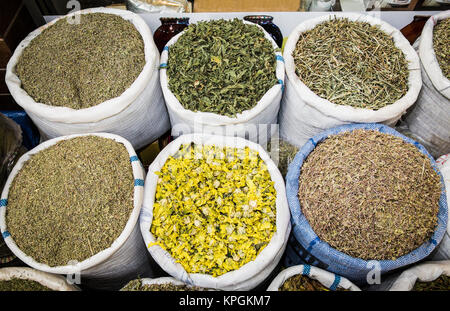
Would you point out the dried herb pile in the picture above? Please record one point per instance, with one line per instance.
(370, 195)
(22, 285)
(301, 282)
(285, 152)
(136, 285)
(71, 200)
(220, 66)
(215, 208)
(442, 283)
(441, 44)
(82, 65)
(351, 63)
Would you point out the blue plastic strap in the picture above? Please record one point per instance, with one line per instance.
(163, 65)
(138, 182)
(134, 158)
(306, 269)
(280, 58)
(337, 280)
(166, 48)
(282, 84)
(6, 234)
(3, 202)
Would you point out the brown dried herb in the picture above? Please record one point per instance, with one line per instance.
(82, 65)
(71, 200)
(301, 282)
(351, 63)
(136, 285)
(369, 194)
(441, 44)
(22, 285)
(442, 283)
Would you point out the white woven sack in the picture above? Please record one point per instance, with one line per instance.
(426, 272)
(443, 250)
(138, 114)
(246, 123)
(429, 119)
(304, 114)
(127, 256)
(327, 279)
(51, 281)
(249, 275)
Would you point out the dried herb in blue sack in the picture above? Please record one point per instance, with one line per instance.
(221, 66)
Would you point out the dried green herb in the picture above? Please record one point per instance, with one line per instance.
(136, 285)
(369, 194)
(221, 66)
(351, 63)
(82, 65)
(301, 282)
(22, 285)
(442, 283)
(441, 43)
(71, 200)
(286, 153)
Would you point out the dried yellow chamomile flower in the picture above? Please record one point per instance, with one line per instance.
(215, 208)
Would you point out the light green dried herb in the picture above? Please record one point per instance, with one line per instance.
(286, 153)
(370, 195)
(71, 200)
(82, 65)
(351, 63)
(442, 283)
(136, 285)
(22, 285)
(221, 66)
(441, 45)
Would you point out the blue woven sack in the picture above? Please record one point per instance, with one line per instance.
(305, 246)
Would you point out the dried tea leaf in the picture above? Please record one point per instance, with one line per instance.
(441, 44)
(82, 65)
(301, 282)
(136, 285)
(370, 195)
(71, 200)
(351, 63)
(221, 66)
(22, 285)
(442, 283)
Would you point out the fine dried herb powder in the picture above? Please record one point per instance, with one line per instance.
(351, 63)
(215, 208)
(71, 200)
(441, 44)
(82, 65)
(14, 285)
(136, 285)
(442, 283)
(370, 195)
(221, 66)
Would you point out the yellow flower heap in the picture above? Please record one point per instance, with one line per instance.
(215, 208)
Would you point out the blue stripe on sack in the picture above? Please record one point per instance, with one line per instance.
(138, 182)
(337, 280)
(433, 241)
(282, 84)
(166, 48)
(313, 142)
(134, 158)
(312, 243)
(163, 65)
(6, 234)
(306, 269)
(280, 58)
(3, 202)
